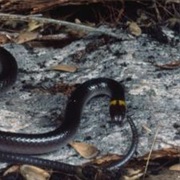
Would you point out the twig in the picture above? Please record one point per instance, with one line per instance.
(148, 159)
(76, 27)
(55, 37)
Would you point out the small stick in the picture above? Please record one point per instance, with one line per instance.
(154, 140)
(55, 37)
(70, 25)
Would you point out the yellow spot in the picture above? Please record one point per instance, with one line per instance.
(122, 103)
(113, 102)
(118, 102)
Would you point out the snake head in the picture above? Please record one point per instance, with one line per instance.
(117, 111)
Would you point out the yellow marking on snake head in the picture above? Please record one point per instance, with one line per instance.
(122, 103)
(118, 102)
(113, 102)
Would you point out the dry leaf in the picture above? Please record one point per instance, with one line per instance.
(135, 177)
(3, 39)
(148, 130)
(34, 173)
(85, 150)
(26, 36)
(11, 169)
(173, 21)
(32, 25)
(169, 66)
(63, 67)
(77, 21)
(168, 152)
(134, 29)
(133, 174)
(106, 159)
(175, 167)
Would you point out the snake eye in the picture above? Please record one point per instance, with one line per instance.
(117, 110)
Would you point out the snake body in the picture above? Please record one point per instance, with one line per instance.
(17, 147)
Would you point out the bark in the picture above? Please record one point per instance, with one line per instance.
(37, 6)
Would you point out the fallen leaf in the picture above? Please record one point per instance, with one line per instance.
(134, 29)
(32, 25)
(34, 173)
(147, 129)
(3, 39)
(26, 36)
(63, 67)
(175, 167)
(105, 159)
(77, 21)
(168, 152)
(133, 174)
(14, 168)
(87, 151)
(169, 66)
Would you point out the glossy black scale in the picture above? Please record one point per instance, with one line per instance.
(15, 147)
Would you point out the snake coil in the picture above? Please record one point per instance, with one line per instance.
(15, 147)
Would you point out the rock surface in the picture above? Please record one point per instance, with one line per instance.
(153, 95)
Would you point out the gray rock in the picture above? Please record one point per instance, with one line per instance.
(153, 96)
